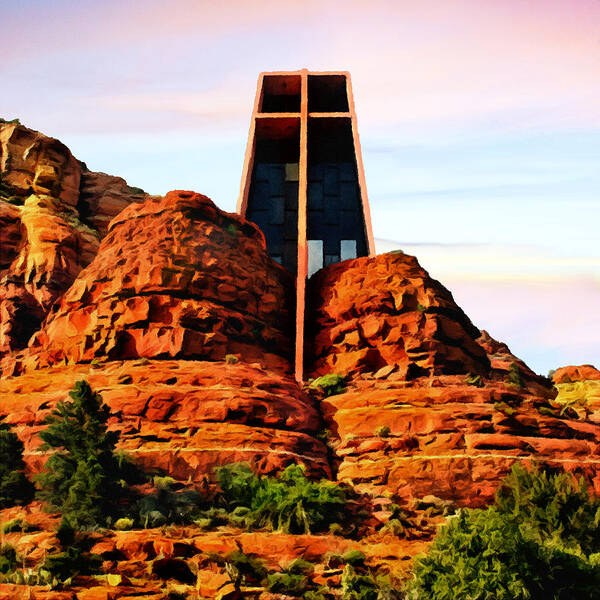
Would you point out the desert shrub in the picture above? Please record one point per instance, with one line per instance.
(289, 584)
(74, 557)
(330, 384)
(17, 525)
(289, 502)
(355, 558)
(123, 524)
(383, 431)
(168, 505)
(295, 580)
(474, 380)
(552, 504)
(244, 569)
(231, 359)
(504, 408)
(15, 488)
(8, 558)
(82, 479)
(358, 586)
(539, 541)
(514, 375)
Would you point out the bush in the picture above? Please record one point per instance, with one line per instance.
(289, 502)
(123, 524)
(82, 479)
(8, 559)
(330, 384)
(231, 359)
(74, 559)
(15, 488)
(383, 431)
(168, 506)
(17, 525)
(538, 542)
(514, 375)
(474, 380)
(243, 569)
(504, 408)
(358, 586)
(356, 558)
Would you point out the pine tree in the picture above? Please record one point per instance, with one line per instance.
(82, 478)
(15, 488)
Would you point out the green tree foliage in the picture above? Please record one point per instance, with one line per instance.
(82, 479)
(289, 502)
(74, 557)
(15, 488)
(539, 542)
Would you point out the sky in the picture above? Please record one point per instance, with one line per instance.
(479, 123)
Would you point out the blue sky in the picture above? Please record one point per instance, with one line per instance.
(479, 122)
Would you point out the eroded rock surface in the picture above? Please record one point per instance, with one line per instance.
(173, 278)
(45, 236)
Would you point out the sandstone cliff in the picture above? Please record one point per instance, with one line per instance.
(53, 212)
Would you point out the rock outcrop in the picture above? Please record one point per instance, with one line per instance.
(572, 374)
(433, 405)
(174, 278)
(176, 282)
(182, 417)
(386, 312)
(46, 237)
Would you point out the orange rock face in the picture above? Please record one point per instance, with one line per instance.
(45, 239)
(440, 436)
(174, 278)
(385, 311)
(572, 374)
(181, 417)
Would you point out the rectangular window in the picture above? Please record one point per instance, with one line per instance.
(315, 256)
(348, 249)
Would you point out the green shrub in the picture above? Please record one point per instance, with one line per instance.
(17, 525)
(504, 408)
(355, 558)
(420, 307)
(289, 502)
(244, 569)
(8, 558)
(123, 524)
(82, 478)
(358, 586)
(540, 541)
(330, 384)
(74, 557)
(15, 488)
(552, 503)
(167, 505)
(287, 583)
(514, 375)
(474, 380)
(231, 359)
(383, 431)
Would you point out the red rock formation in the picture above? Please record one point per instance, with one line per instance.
(572, 374)
(386, 311)
(174, 278)
(44, 237)
(182, 417)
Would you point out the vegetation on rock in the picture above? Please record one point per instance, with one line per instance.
(290, 502)
(540, 540)
(330, 384)
(15, 488)
(83, 478)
